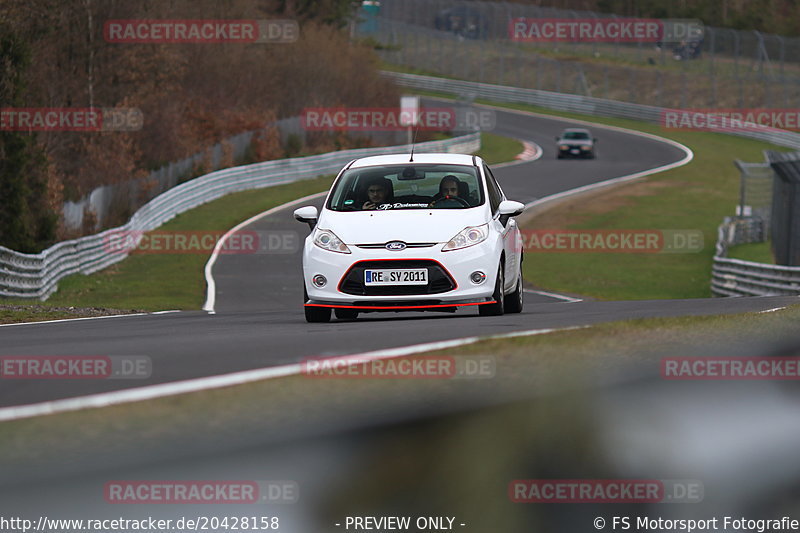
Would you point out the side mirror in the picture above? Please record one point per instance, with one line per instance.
(558, 139)
(307, 214)
(508, 209)
(595, 139)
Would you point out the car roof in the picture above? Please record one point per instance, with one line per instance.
(576, 130)
(403, 159)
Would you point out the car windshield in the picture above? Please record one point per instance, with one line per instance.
(576, 135)
(407, 187)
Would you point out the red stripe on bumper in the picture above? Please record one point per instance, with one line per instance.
(396, 306)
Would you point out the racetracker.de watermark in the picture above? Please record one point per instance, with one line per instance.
(605, 491)
(730, 368)
(604, 30)
(731, 120)
(423, 367)
(201, 242)
(611, 241)
(212, 31)
(75, 367)
(397, 119)
(71, 119)
(201, 492)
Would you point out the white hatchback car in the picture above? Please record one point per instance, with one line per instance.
(428, 232)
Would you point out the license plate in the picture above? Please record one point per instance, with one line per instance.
(575, 151)
(385, 276)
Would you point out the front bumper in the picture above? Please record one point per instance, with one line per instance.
(449, 277)
(410, 305)
(570, 151)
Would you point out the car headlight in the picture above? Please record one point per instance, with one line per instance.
(586, 147)
(563, 147)
(327, 240)
(469, 236)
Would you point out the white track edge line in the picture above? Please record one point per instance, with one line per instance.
(568, 299)
(151, 392)
(211, 287)
(88, 318)
(773, 310)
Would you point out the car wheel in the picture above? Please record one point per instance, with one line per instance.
(495, 309)
(315, 314)
(345, 314)
(560, 156)
(318, 314)
(514, 301)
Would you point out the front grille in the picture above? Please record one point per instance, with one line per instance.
(377, 246)
(404, 303)
(439, 280)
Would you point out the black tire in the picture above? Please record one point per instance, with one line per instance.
(315, 314)
(560, 156)
(495, 309)
(515, 301)
(345, 314)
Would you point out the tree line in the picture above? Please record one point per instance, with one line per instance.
(53, 54)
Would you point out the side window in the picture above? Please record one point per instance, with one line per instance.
(495, 195)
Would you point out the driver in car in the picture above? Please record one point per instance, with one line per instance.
(448, 188)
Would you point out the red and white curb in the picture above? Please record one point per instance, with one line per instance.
(531, 152)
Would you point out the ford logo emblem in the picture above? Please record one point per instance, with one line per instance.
(396, 246)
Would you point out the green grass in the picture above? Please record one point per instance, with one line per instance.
(696, 196)
(152, 282)
(35, 313)
(498, 149)
(760, 252)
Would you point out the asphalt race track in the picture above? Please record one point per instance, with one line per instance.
(259, 317)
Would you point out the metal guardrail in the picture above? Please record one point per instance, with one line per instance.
(568, 102)
(37, 275)
(735, 277)
(730, 277)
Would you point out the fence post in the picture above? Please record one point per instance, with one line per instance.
(481, 61)
(502, 65)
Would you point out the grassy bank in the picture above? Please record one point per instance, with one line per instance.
(760, 252)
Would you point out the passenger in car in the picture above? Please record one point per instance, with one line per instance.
(379, 191)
